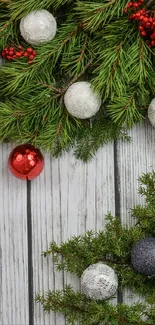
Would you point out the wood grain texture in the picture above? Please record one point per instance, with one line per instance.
(14, 308)
(134, 159)
(69, 198)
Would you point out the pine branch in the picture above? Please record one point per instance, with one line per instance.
(63, 90)
(57, 90)
(5, 1)
(95, 41)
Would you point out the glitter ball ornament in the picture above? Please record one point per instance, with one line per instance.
(38, 27)
(99, 281)
(81, 101)
(26, 162)
(151, 112)
(143, 256)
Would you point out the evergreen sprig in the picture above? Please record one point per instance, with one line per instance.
(121, 70)
(112, 246)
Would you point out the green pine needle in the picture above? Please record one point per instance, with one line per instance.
(96, 42)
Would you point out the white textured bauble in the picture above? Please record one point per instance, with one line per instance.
(99, 281)
(38, 27)
(81, 101)
(151, 112)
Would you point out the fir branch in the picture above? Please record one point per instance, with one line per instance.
(4, 27)
(63, 90)
(57, 90)
(95, 41)
(5, 1)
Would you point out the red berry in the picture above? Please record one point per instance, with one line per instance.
(31, 57)
(141, 27)
(152, 36)
(3, 54)
(19, 47)
(135, 4)
(6, 52)
(34, 53)
(133, 16)
(137, 17)
(130, 4)
(14, 56)
(9, 57)
(29, 50)
(141, 17)
(11, 53)
(143, 33)
(153, 43)
(11, 48)
(145, 20)
(26, 54)
(148, 25)
(19, 54)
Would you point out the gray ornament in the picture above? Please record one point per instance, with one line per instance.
(151, 112)
(38, 27)
(99, 281)
(143, 256)
(81, 101)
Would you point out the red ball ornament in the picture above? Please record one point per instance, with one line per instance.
(26, 162)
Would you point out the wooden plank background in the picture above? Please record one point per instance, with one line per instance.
(67, 199)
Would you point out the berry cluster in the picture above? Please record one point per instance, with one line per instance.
(10, 53)
(133, 5)
(146, 22)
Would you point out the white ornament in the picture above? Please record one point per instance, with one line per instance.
(99, 281)
(81, 101)
(38, 27)
(151, 112)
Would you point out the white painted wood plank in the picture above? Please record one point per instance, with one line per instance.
(42, 234)
(69, 198)
(100, 188)
(134, 159)
(13, 246)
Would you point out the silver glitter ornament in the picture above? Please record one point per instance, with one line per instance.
(151, 112)
(81, 101)
(143, 256)
(99, 281)
(38, 27)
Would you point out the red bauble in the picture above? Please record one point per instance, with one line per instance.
(26, 162)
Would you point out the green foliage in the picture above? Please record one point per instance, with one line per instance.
(95, 41)
(76, 307)
(112, 246)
